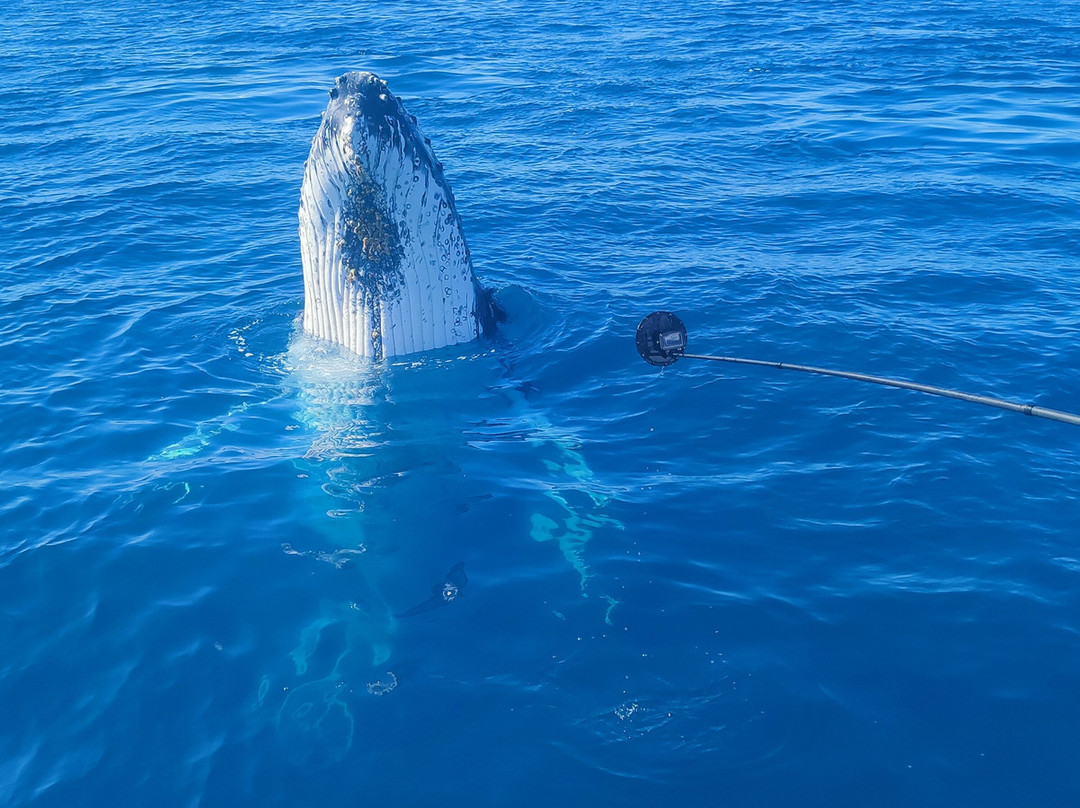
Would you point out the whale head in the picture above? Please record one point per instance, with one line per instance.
(387, 271)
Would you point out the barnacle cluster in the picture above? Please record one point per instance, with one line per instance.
(372, 250)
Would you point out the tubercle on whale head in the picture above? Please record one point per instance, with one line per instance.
(387, 270)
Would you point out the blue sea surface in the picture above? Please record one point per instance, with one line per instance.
(707, 585)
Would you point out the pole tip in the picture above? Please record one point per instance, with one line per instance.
(661, 338)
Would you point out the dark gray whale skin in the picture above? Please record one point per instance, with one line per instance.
(442, 594)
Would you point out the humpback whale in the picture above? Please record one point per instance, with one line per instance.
(387, 271)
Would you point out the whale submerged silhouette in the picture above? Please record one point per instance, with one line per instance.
(386, 267)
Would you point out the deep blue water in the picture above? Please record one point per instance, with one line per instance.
(757, 588)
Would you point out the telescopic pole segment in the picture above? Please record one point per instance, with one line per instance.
(1026, 409)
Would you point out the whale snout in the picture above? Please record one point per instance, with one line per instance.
(367, 92)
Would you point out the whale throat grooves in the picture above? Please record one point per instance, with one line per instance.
(387, 271)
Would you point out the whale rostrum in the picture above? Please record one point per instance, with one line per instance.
(387, 271)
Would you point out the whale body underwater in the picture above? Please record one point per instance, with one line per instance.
(387, 271)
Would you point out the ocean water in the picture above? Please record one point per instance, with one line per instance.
(708, 585)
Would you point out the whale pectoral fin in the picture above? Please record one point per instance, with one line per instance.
(309, 641)
(380, 652)
(543, 528)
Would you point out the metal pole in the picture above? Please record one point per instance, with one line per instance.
(1026, 409)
